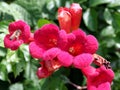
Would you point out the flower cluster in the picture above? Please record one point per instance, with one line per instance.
(65, 46)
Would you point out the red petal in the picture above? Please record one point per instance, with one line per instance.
(65, 59)
(83, 60)
(43, 73)
(51, 54)
(12, 44)
(35, 50)
(91, 44)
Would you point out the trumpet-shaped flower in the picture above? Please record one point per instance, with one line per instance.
(52, 61)
(98, 79)
(19, 32)
(46, 38)
(80, 45)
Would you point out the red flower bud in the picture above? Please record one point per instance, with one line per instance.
(76, 14)
(70, 18)
(64, 18)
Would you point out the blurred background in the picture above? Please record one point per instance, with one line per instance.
(101, 18)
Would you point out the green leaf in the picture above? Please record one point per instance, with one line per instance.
(114, 3)
(5, 6)
(3, 32)
(6, 12)
(3, 72)
(117, 46)
(2, 35)
(31, 68)
(117, 75)
(116, 21)
(51, 5)
(59, 3)
(50, 10)
(25, 50)
(29, 65)
(108, 32)
(19, 13)
(30, 74)
(90, 19)
(16, 11)
(108, 16)
(98, 2)
(38, 4)
(4, 27)
(110, 42)
(29, 85)
(16, 86)
(53, 83)
(34, 7)
(41, 22)
(12, 56)
(79, 1)
(18, 67)
(3, 52)
(16, 60)
(116, 81)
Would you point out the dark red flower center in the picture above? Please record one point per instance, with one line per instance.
(76, 49)
(52, 41)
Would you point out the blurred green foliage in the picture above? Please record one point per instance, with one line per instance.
(101, 18)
